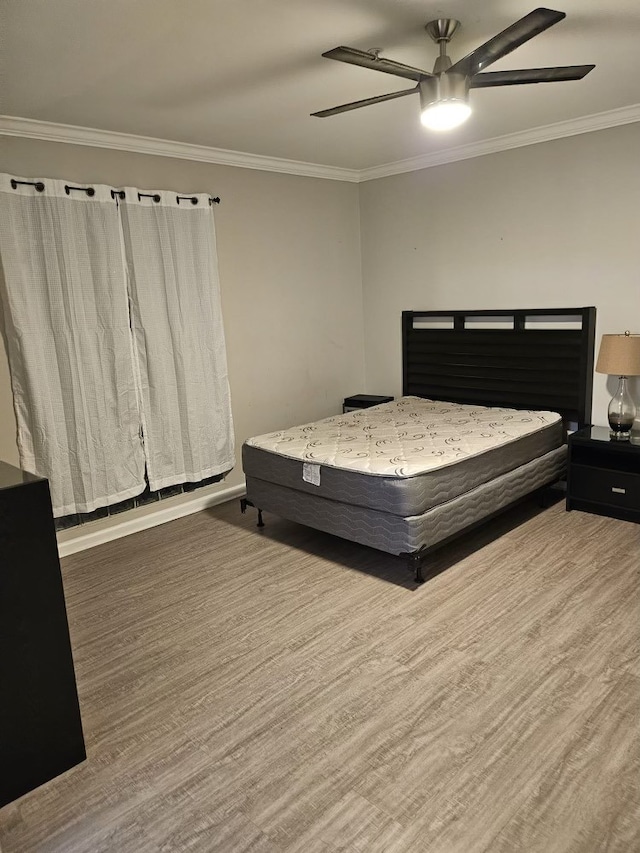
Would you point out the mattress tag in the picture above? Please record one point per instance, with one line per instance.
(311, 473)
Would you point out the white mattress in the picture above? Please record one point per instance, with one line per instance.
(405, 438)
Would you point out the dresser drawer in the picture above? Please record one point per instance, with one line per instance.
(605, 486)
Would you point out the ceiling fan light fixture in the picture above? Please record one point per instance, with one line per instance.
(444, 92)
(445, 115)
(444, 101)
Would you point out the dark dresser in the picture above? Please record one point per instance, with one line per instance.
(40, 727)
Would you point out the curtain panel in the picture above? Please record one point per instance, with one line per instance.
(113, 327)
(66, 327)
(176, 318)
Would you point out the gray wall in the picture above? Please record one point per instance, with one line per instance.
(550, 225)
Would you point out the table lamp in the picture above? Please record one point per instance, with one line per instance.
(619, 355)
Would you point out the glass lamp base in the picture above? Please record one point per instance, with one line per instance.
(622, 413)
(619, 434)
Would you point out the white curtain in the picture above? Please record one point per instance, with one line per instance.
(176, 318)
(113, 323)
(66, 327)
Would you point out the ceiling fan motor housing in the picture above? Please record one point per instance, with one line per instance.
(443, 88)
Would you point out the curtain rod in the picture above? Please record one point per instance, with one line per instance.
(90, 191)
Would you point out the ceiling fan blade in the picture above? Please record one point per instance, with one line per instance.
(529, 75)
(506, 41)
(355, 105)
(369, 60)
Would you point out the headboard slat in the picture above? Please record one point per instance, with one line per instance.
(518, 366)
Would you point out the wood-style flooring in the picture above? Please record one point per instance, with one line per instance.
(290, 692)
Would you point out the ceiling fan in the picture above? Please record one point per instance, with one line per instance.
(444, 93)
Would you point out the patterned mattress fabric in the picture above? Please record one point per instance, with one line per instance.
(404, 438)
(402, 457)
(396, 535)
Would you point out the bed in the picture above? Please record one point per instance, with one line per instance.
(487, 399)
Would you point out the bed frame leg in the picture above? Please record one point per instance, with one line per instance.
(415, 565)
(244, 503)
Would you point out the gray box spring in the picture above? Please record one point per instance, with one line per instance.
(390, 532)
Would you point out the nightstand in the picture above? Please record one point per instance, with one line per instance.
(603, 475)
(363, 401)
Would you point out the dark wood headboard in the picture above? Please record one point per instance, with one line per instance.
(524, 359)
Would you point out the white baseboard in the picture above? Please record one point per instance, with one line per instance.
(81, 538)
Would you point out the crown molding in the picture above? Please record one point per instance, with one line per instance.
(546, 133)
(74, 135)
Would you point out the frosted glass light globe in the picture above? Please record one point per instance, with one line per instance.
(445, 115)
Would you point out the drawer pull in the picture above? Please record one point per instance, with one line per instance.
(618, 491)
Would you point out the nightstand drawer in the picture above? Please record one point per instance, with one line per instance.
(601, 485)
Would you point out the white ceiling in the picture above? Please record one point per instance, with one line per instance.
(245, 74)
